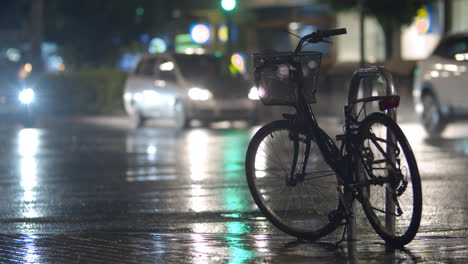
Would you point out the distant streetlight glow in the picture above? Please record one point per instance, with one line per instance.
(228, 5)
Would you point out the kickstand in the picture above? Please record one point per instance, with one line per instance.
(343, 234)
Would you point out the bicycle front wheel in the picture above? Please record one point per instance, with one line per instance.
(392, 198)
(304, 204)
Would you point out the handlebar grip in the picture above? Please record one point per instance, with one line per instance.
(332, 32)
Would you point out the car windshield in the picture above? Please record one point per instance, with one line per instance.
(199, 67)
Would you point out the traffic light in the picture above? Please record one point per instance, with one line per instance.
(228, 5)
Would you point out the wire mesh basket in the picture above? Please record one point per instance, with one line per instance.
(275, 82)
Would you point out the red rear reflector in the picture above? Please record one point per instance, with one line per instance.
(389, 103)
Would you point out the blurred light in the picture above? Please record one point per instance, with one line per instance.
(223, 33)
(218, 54)
(55, 63)
(167, 66)
(128, 61)
(144, 38)
(140, 11)
(238, 61)
(199, 51)
(189, 51)
(28, 67)
(13, 54)
(28, 146)
(199, 94)
(28, 142)
(423, 20)
(151, 150)
(294, 26)
(197, 153)
(253, 94)
(200, 33)
(24, 71)
(160, 83)
(157, 45)
(461, 56)
(228, 5)
(26, 96)
(451, 67)
(199, 195)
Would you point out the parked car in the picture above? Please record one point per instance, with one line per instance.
(17, 99)
(440, 84)
(186, 87)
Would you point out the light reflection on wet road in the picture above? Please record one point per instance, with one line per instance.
(92, 195)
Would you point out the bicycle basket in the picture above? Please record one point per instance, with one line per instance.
(275, 83)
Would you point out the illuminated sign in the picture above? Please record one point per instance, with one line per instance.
(200, 33)
(423, 20)
(238, 61)
(223, 33)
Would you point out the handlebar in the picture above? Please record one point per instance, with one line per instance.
(318, 36)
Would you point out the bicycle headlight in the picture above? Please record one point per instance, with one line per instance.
(199, 94)
(26, 96)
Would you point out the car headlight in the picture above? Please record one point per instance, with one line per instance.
(253, 94)
(199, 94)
(26, 96)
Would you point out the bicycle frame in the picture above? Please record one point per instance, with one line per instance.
(304, 119)
(340, 159)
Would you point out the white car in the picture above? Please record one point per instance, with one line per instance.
(440, 89)
(17, 99)
(187, 87)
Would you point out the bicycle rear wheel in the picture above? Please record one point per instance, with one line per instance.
(395, 185)
(307, 206)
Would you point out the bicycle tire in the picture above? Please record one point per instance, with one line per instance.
(377, 132)
(310, 209)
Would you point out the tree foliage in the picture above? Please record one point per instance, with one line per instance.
(92, 32)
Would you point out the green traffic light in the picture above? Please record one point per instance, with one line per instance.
(140, 11)
(228, 5)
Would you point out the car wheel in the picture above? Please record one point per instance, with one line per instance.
(432, 117)
(180, 115)
(137, 120)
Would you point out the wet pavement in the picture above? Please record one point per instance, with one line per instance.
(92, 190)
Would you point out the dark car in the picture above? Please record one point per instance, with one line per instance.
(187, 87)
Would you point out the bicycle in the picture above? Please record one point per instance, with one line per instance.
(303, 182)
